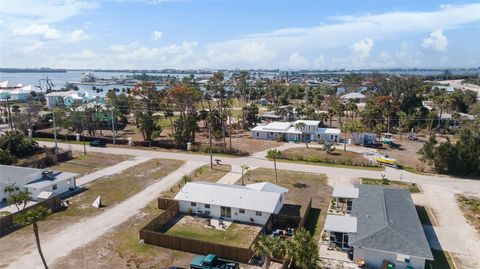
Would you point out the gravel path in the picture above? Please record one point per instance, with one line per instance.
(83, 232)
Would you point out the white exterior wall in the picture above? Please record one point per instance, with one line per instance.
(21, 96)
(62, 186)
(375, 258)
(215, 212)
(327, 137)
(54, 101)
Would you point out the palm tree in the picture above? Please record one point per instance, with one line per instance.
(245, 169)
(33, 217)
(274, 154)
(302, 250)
(18, 199)
(301, 126)
(352, 108)
(269, 247)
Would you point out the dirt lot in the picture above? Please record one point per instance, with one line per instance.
(315, 154)
(113, 189)
(411, 187)
(204, 173)
(301, 186)
(470, 207)
(87, 164)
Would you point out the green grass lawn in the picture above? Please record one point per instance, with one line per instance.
(373, 168)
(241, 235)
(411, 187)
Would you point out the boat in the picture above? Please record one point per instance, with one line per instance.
(386, 161)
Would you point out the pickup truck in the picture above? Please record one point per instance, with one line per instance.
(211, 261)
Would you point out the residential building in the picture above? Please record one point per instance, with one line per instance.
(35, 181)
(253, 203)
(79, 98)
(354, 96)
(55, 98)
(381, 226)
(286, 131)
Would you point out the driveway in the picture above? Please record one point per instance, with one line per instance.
(65, 241)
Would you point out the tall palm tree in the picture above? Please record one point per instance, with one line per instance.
(274, 154)
(245, 169)
(302, 250)
(33, 217)
(301, 126)
(269, 247)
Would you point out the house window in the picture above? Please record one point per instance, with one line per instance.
(258, 213)
(207, 206)
(271, 133)
(241, 211)
(331, 137)
(258, 134)
(193, 204)
(69, 182)
(54, 187)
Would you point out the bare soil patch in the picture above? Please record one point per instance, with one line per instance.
(470, 207)
(87, 164)
(315, 154)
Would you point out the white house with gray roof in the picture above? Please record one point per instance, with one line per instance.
(36, 181)
(286, 131)
(253, 203)
(383, 226)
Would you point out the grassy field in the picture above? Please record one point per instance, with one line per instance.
(301, 187)
(116, 188)
(411, 187)
(374, 168)
(86, 164)
(241, 235)
(471, 209)
(204, 173)
(317, 155)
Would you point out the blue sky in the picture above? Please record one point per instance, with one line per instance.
(156, 34)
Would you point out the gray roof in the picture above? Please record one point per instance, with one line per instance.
(19, 175)
(387, 221)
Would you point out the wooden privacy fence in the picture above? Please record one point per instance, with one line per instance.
(8, 223)
(151, 234)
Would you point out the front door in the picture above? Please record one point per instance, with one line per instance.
(225, 212)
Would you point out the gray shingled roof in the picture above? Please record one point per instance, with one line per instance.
(19, 175)
(387, 221)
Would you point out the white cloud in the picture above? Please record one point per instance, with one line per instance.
(436, 41)
(77, 36)
(250, 54)
(297, 61)
(362, 48)
(156, 35)
(84, 54)
(319, 62)
(43, 30)
(30, 48)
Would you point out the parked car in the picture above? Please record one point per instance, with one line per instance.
(211, 261)
(412, 137)
(98, 143)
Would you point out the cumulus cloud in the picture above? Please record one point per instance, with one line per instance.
(297, 61)
(43, 30)
(251, 54)
(30, 48)
(47, 32)
(436, 41)
(362, 48)
(319, 62)
(156, 35)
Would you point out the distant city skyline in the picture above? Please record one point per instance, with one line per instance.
(243, 34)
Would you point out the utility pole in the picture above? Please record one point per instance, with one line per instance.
(113, 128)
(55, 134)
(9, 114)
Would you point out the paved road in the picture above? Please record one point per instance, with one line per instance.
(435, 187)
(80, 234)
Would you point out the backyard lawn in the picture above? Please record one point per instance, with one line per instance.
(301, 187)
(240, 235)
(471, 209)
(86, 164)
(411, 187)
